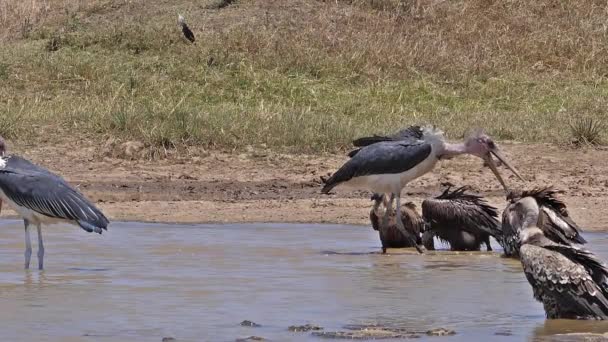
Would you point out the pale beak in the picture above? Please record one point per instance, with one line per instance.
(490, 161)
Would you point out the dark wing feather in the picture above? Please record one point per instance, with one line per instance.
(412, 132)
(559, 228)
(511, 226)
(563, 283)
(380, 158)
(596, 267)
(50, 195)
(353, 152)
(547, 196)
(468, 211)
(188, 33)
(555, 220)
(21, 165)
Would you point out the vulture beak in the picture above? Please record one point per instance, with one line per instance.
(490, 161)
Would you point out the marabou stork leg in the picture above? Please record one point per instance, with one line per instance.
(40, 248)
(402, 229)
(488, 247)
(28, 244)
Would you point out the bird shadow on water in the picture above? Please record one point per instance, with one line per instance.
(84, 269)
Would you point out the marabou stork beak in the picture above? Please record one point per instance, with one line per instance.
(490, 161)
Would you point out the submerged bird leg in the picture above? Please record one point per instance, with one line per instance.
(40, 248)
(408, 235)
(28, 244)
(385, 220)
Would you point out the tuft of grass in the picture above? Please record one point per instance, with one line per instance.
(587, 131)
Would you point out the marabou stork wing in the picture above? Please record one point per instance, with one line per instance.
(409, 133)
(45, 193)
(21, 165)
(565, 281)
(353, 152)
(388, 157)
(471, 212)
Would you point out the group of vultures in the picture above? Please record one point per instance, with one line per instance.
(569, 280)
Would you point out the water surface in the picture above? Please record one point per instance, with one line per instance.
(142, 282)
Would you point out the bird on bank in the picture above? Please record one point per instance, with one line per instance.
(42, 197)
(540, 207)
(388, 166)
(390, 236)
(462, 219)
(570, 281)
(188, 34)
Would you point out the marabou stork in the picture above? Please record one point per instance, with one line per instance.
(41, 197)
(464, 220)
(387, 166)
(185, 29)
(540, 207)
(390, 236)
(570, 281)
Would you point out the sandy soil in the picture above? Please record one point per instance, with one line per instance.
(261, 186)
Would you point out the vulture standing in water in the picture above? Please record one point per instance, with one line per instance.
(570, 281)
(185, 29)
(464, 220)
(390, 236)
(542, 208)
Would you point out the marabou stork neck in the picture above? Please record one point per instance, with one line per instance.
(41, 197)
(387, 166)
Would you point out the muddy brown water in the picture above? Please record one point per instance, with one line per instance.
(143, 282)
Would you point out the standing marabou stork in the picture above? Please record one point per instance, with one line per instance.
(571, 282)
(185, 29)
(41, 197)
(462, 219)
(387, 166)
(390, 236)
(540, 207)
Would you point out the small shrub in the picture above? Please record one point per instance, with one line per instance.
(586, 131)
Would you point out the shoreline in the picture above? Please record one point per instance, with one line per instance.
(268, 187)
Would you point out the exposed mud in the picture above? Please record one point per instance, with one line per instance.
(262, 186)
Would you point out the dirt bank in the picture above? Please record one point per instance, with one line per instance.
(261, 186)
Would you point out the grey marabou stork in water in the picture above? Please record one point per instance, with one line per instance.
(391, 237)
(387, 166)
(540, 207)
(464, 220)
(185, 29)
(570, 281)
(41, 197)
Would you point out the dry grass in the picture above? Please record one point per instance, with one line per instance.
(301, 75)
